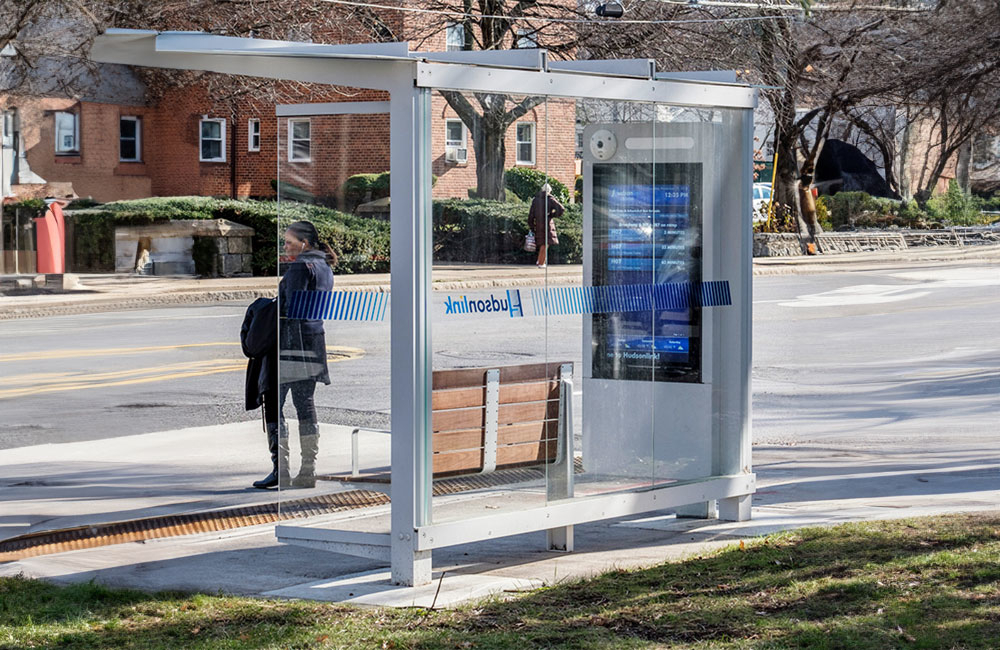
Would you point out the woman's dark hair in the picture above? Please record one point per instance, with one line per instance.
(306, 231)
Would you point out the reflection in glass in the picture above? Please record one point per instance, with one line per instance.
(303, 361)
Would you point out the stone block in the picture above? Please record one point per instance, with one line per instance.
(233, 264)
(239, 244)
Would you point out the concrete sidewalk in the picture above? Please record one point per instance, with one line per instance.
(194, 470)
(97, 293)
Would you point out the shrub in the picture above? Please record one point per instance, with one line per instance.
(911, 215)
(578, 189)
(356, 188)
(362, 244)
(955, 206)
(380, 186)
(493, 232)
(822, 213)
(509, 196)
(991, 204)
(526, 182)
(34, 206)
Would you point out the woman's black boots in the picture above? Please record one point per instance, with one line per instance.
(309, 440)
(277, 444)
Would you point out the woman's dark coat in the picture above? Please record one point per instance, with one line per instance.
(541, 221)
(303, 342)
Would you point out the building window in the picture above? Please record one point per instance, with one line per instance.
(455, 37)
(526, 143)
(212, 138)
(253, 135)
(67, 133)
(298, 140)
(455, 139)
(525, 39)
(129, 139)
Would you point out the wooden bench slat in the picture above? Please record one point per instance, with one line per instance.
(475, 377)
(458, 398)
(507, 435)
(464, 461)
(459, 419)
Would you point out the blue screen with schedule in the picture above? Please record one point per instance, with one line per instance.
(647, 231)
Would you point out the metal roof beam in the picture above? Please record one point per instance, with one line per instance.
(533, 59)
(641, 68)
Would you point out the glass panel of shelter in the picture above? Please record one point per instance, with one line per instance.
(328, 424)
(494, 399)
(610, 299)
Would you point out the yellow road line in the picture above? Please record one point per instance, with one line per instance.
(98, 352)
(58, 382)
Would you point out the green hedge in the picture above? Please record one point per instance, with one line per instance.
(526, 182)
(493, 232)
(362, 244)
(465, 231)
(860, 210)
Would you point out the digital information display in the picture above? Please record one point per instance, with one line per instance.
(647, 231)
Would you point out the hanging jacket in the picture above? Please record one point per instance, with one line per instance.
(259, 340)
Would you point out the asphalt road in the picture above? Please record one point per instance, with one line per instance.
(861, 358)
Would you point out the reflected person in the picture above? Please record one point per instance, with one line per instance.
(302, 354)
(544, 208)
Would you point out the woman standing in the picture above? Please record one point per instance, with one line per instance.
(544, 208)
(302, 356)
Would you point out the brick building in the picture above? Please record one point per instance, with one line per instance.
(116, 144)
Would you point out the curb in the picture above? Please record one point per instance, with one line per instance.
(762, 267)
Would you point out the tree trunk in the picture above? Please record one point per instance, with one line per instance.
(962, 166)
(808, 204)
(491, 152)
(784, 194)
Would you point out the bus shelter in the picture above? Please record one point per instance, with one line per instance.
(496, 391)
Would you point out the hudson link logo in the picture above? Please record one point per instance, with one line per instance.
(492, 305)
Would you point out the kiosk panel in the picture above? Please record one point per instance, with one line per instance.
(647, 242)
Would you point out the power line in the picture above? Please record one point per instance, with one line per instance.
(581, 21)
(798, 8)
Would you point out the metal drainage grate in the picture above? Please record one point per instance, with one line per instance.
(70, 539)
(136, 530)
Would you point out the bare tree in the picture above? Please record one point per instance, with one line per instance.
(495, 25)
(955, 86)
(825, 60)
(44, 44)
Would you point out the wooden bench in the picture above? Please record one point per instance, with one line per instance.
(486, 419)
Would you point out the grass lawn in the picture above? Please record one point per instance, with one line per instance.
(920, 583)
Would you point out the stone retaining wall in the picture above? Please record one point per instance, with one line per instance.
(785, 244)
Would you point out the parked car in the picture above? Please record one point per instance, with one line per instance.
(761, 199)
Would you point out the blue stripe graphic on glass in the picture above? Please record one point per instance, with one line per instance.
(674, 296)
(338, 305)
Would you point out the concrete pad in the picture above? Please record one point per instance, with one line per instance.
(52, 486)
(374, 588)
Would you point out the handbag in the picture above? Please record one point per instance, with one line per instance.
(529, 243)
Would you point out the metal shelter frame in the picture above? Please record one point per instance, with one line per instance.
(409, 78)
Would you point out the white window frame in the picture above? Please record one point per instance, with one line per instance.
(456, 145)
(138, 137)
(222, 139)
(253, 134)
(75, 149)
(518, 142)
(291, 141)
(454, 39)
